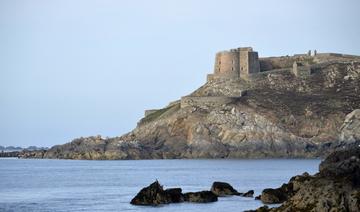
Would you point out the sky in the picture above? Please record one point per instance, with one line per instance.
(72, 68)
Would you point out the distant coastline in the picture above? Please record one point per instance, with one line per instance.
(15, 151)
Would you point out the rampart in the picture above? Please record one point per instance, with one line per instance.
(205, 101)
(148, 112)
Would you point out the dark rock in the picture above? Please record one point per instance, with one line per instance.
(200, 197)
(342, 164)
(335, 188)
(279, 195)
(258, 197)
(273, 196)
(175, 195)
(9, 154)
(261, 209)
(223, 189)
(154, 194)
(250, 193)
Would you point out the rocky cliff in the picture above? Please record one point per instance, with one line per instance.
(274, 113)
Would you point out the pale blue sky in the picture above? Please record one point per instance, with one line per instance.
(71, 68)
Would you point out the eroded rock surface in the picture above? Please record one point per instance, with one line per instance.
(335, 188)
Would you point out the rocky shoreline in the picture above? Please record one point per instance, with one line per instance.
(14, 154)
(336, 187)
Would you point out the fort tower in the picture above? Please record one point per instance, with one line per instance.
(236, 63)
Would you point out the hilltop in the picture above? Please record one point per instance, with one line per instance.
(305, 105)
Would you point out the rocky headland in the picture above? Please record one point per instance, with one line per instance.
(291, 106)
(336, 187)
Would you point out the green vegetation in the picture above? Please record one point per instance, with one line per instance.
(154, 116)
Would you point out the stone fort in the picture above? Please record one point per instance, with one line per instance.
(235, 64)
(243, 64)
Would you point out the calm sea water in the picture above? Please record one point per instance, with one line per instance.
(74, 185)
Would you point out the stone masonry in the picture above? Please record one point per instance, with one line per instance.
(236, 63)
(243, 63)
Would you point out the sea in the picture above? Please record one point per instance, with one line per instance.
(41, 185)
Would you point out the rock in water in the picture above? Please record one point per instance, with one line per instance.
(154, 194)
(261, 209)
(175, 195)
(248, 194)
(200, 197)
(223, 189)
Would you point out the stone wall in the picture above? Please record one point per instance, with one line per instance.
(244, 65)
(205, 101)
(270, 63)
(249, 62)
(301, 55)
(227, 64)
(253, 63)
(210, 77)
(173, 103)
(329, 55)
(148, 112)
(151, 111)
(301, 70)
(265, 65)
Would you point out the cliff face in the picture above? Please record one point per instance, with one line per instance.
(273, 113)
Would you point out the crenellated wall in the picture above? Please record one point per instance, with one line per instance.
(205, 101)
